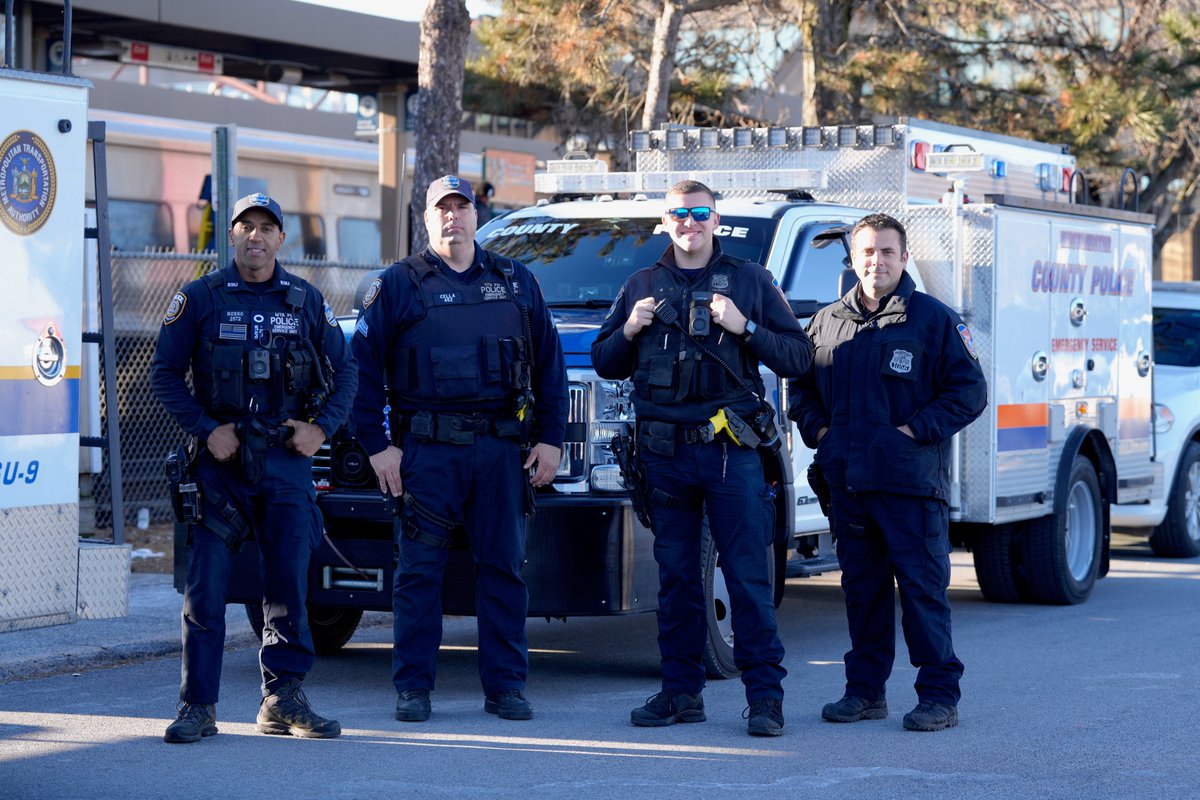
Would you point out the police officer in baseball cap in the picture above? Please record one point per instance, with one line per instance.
(256, 341)
(464, 343)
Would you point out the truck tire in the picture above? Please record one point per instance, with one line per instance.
(1179, 534)
(331, 627)
(992, 548)
(1062, 552)
(718, 649)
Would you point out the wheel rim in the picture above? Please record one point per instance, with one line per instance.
(1191, 501)
(1081, 531)
(720, 607)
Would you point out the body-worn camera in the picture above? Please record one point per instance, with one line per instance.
(700, 314)
(259, 364)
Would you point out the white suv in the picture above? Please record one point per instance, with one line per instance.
(1174, 516)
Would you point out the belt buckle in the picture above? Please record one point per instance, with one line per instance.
(706, 433)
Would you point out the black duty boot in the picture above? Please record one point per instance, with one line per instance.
(287, 712)
(766, 717)
(509, 704)
(412, 705)
(668, 707)
(852, 709)
(193, 723)
(929, 716)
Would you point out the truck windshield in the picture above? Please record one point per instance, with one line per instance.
(1177, 337)
(586, 261)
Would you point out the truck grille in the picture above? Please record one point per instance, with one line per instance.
(322, 465)
(574, 456)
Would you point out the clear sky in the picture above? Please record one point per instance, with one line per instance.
(399, 9)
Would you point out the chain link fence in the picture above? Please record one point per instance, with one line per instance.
(143, 285)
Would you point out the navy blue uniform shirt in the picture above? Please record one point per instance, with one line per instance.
(908, 363)
(398, 305)
(190, 321)
(779, 343)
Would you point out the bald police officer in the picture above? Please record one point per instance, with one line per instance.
(273, 378)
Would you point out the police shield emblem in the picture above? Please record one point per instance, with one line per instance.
(330, 317)
(372, 293)
(175, 309)
(968, 340)
(902, 361)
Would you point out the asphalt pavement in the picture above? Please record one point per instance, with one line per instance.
(1091, 702)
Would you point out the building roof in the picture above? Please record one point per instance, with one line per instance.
(258, 39)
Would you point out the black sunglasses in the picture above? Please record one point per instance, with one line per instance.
(699, 213)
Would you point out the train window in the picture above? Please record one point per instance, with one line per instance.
(305, 237)
(359, 240)
(137, 225)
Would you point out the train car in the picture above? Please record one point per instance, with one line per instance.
(328, 188)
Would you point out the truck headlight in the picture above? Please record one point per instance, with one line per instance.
(607, 478)
(1163, 418)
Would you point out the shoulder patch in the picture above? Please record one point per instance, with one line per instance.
(330, 317)
(175, 309)
(968, 340)
(372, 292)
(617, 300)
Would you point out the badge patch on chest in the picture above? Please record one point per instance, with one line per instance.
(720, 282)
(284, 323)
(902, 361)
(490, 290)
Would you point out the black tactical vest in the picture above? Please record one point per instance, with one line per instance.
(468, 347)
(670, 368)
(256, 358)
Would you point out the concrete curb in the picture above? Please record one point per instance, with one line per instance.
(150, 630)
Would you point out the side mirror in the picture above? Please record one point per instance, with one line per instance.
(804, 308)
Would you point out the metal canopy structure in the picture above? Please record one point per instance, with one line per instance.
(263, 40)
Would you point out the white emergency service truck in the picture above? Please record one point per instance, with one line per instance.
(1056, 294)
(47, 574)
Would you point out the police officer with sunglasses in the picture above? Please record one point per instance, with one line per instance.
(690, 331)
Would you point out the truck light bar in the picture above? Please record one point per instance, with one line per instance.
(598, 182)
(826, 137)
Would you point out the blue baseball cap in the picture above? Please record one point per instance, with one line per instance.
(258, 200)
(446, 186)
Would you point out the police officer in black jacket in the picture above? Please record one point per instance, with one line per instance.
(478, 395)
(273, 378)
(686, 390)
(895, 375)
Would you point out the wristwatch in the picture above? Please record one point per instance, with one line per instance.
(750, 329)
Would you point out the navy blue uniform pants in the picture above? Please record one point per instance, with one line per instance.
(482, 486)
(885, 540)
(287, 525)
(725, 482)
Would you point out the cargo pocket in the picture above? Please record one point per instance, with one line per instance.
(937, 534)
(227, 379)
(455, 371)
(660, 379)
